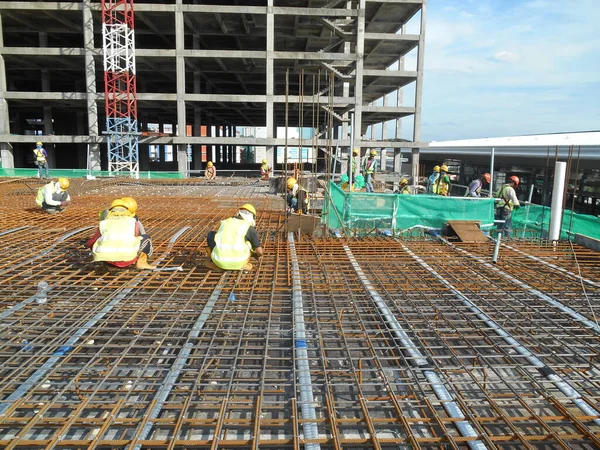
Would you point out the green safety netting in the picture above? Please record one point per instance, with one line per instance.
(536, 218)
(399, 212)
(80, 173)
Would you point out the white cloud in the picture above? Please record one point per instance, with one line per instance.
(508, 57)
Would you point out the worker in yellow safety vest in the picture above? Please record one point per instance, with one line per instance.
(442, 184)
(53, 197)
(236, 240)
(121, 239)
(404, 188)
(297, 197)
(210, 173)
(265, 170)
(41, 160)
(369, 168)
(508, 202)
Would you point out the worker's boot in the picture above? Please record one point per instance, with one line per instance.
(247, 266)
(142, 263)
(208, 251)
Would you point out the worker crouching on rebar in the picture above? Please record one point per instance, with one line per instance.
(297, 197)
(121, 239)
(265, 170)
(53, 197)
(210, 173)
(236, 240)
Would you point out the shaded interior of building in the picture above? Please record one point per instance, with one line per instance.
(412, 341)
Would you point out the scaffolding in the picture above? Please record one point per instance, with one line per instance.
(120, 86)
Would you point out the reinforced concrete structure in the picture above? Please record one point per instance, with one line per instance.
(323, 65)
(328, 343)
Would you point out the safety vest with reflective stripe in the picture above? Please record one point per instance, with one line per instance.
(504, 201)
(118, 241)
(232, 250)
(39, 155)
(442, 187)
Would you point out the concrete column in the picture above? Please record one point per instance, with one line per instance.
(358, 85)
(415, 166)
(48, 125)
(399, 101)
(90, 85)
(419, 89)
(182, 165)
(270, 82)
(197, 149)
(7, 159)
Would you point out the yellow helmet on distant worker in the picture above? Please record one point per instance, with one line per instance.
(264, 161)
(403, 181)
(39, 143)
(436, 169)
(356, 151)
(209, 164)
(444, 168)
(290, 182)
(130, 204)
(63, 183)
(249, 207)
(373, 153)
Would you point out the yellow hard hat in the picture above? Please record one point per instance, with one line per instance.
(264, 161)
(130, 204)
(444, 168)
(290, 182)
(436, 168)
(373, 153)
(249, 207)
(356, 151)
(118, 203)
(403, 181)
(209, 164)
(63, 183)
(38, 143)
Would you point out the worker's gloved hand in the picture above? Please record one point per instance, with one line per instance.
(65, 203)
(517, 207)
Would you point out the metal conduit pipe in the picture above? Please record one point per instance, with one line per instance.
(14, 230)
(177, 367)
(67, 346)
(48, 250)
(311, 430)
(418, 359)
(553, 266)
(569, 311)
(544, 370)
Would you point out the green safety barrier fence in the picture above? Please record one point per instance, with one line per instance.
(536, 218)
(80, 173)
(360, 210)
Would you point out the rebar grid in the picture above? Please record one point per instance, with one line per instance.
(206, 359)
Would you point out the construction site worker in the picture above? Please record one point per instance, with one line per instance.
(507, 203)
(265, 170)
(41, 160)
(474, 189)
(53, 197)
(236, 240)
(121, 239)
(355, 166)
(432, 180)
(404, 188)
(297, 197)
(442, 184)
(210, 173)
(369, 168)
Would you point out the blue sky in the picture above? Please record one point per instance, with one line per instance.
(510, 67)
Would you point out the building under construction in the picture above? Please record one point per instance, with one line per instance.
(202, 73)
(373, 335)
